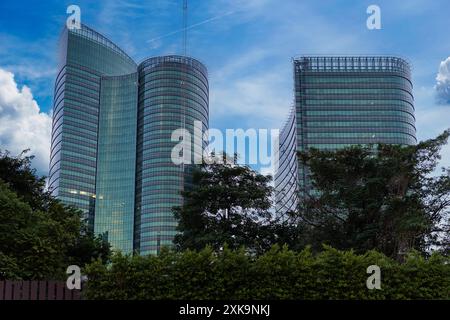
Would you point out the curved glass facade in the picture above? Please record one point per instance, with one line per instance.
(173, 93)
(116, 160)
(85, 57)
(286, 183)
(111, 137)
(343, 101)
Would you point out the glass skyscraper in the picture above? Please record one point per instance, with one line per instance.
(111, 137)
(173, 93)
(339, 102)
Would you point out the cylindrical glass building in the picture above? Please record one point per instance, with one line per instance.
(173, 94)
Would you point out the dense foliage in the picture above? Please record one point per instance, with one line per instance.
(277, 274)
(39, 237)
(386, 197)
(229, 204)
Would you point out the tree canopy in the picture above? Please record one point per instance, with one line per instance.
(39, 237)
(227, 203)
(384, 197)
(390, 198)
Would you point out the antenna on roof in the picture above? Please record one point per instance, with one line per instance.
(185, 14)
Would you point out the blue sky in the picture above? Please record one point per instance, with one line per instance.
(247, 46)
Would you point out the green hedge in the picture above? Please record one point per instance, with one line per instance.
(278, 274)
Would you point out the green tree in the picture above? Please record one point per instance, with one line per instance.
(384, 197)
(39, 237)
(227, 203)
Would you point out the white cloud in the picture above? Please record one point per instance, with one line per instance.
(255, 85)
(32, 70)
(432, 122)
(257, 99)
(238, 65)
(443, 81)
(244, 10)
(431, 119)
(22, 124)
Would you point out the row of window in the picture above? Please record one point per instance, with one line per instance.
(170, 119)
(175, 70)
(77, 155)
(334, 146)
(92, 89)
(407, 139)
(383, 103)
(169, 112)
(383, 124)
(368, 113)
(354, 86)
(361, 79)
(82, 74)
(152, 100)
(178, 82)
(405, 101)
(78, 177)
(166, 203)
(150, 76)
(358, 135)
(374, 119)
(80, 96)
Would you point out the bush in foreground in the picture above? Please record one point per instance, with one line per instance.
(280, 273)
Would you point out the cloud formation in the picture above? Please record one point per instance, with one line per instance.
(22, 124)
(443, 82)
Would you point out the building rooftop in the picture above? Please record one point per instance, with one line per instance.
(352, 63)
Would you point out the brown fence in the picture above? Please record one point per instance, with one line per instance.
(37, 290)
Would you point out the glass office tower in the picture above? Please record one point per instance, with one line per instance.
(110, 135)
(86, 114)
(173, 93)
(344, 101)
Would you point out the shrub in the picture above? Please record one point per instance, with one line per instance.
(280, 273)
